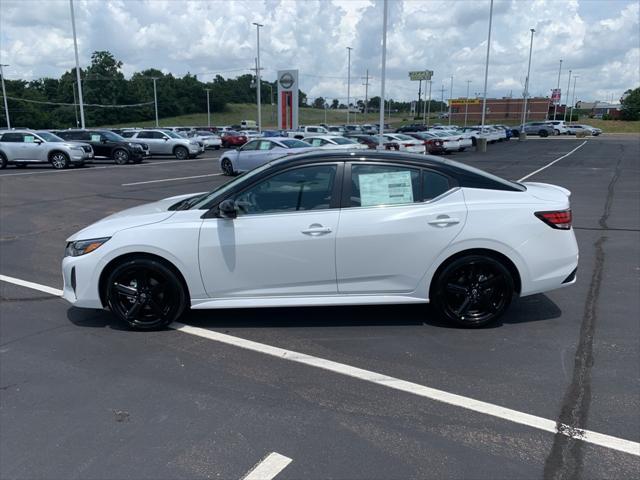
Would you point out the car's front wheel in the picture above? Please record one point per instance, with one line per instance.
(473, 291)
(145, 294)
(59, 160)
(181, 153)
(121, 156)
(227, 167)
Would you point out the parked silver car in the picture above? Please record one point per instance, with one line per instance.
(166, 142)
(24, 147)
(535, 128)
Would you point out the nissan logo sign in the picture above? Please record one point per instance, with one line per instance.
(286, 80)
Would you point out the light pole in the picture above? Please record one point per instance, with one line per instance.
(573, 98)
(466, 104)
(566, 105)
(208, 109)
(429, 104)
(75, 104)
(384, 72)
(441, 100)
(366, 93)
(450, 97)
(555, 107)
(271, 98)
(75, 46)
(258, 82)
(155, 99)
(4, 95)
(486, 66)
(348, 81)
(526, 84)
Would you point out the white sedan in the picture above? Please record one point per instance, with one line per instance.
(208, 139)
(407, 144)
(334, 142)
(330, 228)
(258, 152)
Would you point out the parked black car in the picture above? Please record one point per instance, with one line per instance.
(107, 144)
(414, 127)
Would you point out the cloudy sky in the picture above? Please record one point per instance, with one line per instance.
(598, 39)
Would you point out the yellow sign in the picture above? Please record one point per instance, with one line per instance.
(462, 101)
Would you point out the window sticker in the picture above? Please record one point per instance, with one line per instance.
(95, 138)
(29, 139)
(385, 188)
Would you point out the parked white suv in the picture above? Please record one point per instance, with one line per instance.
(558, 126)
(24, 147)
(166, 142)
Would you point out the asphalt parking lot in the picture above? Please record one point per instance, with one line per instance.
(81, 397)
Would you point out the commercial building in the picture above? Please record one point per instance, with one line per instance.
(498, 110)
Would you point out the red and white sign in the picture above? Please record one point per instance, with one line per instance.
(555, 95)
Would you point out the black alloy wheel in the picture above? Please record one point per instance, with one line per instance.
(3, 161)
(145, 294)
(121, 156)
(227, 167)
(473, 291)
(181, 153)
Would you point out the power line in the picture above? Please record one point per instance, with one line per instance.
(73, 104)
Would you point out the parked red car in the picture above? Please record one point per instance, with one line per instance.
(435, 146)
(232, 139)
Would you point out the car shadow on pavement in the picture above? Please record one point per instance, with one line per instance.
(529, 309)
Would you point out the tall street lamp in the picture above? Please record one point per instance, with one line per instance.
(383, 75)
(526, 84)
(4, 95)
(208, 108)
(555, 107)
(486, 65)
(573, 98)
(466, 104)
(258, 82)
(155, 99)
(348, 81)
(450, 97)
(429, 104)
(75, 47)
(566, 104)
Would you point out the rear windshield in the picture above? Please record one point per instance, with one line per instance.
(294, 143)
(342, 141)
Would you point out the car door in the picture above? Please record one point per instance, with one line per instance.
(147, 136)
(282, 242)
(100, 149)
(32, 148)
(395, 222)
(246, 154)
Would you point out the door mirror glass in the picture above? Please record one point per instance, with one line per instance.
(228, 209)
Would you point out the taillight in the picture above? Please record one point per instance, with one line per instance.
(408, 144)
(560, 219)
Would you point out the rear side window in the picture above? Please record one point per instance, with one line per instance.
(433, 184)
(145, 134)
(12, 137)
(373, 185)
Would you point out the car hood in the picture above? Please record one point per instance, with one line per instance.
(132, 217)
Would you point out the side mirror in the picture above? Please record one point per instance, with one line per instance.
(166, 139)
(38, 141)
(228, 209)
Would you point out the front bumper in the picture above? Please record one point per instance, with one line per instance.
(80, 282)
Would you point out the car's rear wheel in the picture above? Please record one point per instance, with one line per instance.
(3, 161)
(145, 294)
(227, 167)
(473, 291)
(59, 160)
(181, 153)
(543, 133)
(121, 156)
(216, 147)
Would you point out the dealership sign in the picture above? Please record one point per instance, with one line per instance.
(465, 101)
(420, 75)
(555, 95)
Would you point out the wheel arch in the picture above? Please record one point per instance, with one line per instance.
(57, 150)
(501, 257)
(113, 263)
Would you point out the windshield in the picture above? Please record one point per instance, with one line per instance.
(50, 137)
(404, 137)
(207, 198)
(114, 137)
(342, 141)
(171, 134)
(294, 143)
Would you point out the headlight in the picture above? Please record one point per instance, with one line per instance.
(78, 148)
(80, 247)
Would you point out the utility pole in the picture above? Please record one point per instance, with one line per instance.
(429, 104)
(486, 66)
(348, 81)
(75, 46)
(450, 97)
(155, 99)
(441, 100)
(466, 104)
(573, 98)
(4, 96)
(555, 106)
(258, 80)
(384, 72)
(208, 108)
(75, 104)
(366, 92)
(566, 104)
(271, 97)
(419, 96)
(526, 84)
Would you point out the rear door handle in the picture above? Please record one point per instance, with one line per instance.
(316, 229)
(444, 221)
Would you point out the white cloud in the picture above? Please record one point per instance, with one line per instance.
(597, 39)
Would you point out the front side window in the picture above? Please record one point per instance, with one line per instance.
(374, 185)
(265, 145)
(29, 138)
(250, 146)
(299, 189)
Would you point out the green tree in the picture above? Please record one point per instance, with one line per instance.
(630, 103)
(318, 103)
(335, 103)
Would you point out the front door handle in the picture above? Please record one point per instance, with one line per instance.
(443, 221)
(316, 229)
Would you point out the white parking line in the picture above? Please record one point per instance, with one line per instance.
(90, 169)
(515, 416)
(551, 163)
(171, 179)
(268, 468)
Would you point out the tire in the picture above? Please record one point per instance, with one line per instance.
(216, 147)
(21, 165)
(543, 133)
(472, 291)
(462, 149)
(145, 294)
(59, 160)
(137, 160)
(181, 153)
(121, 156)
(227, 167)
(474, 141)
(3, 161)
(557, 132)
